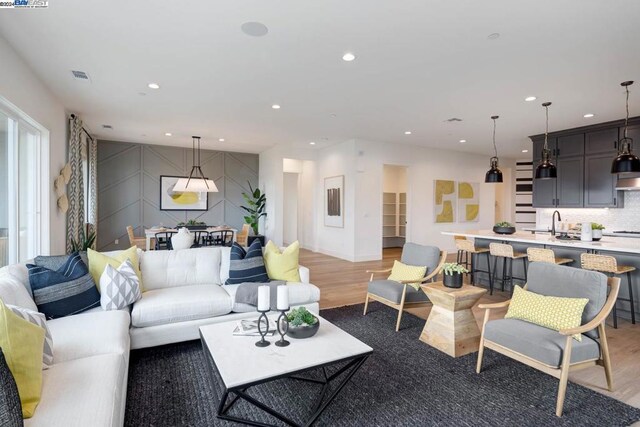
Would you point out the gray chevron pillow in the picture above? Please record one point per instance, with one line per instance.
(40, 320)
(119, 288)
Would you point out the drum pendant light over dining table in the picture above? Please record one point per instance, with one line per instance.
(626, 161)
(546, 169)
(196, 183)
(494, 175)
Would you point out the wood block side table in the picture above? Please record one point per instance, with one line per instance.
(451, 326)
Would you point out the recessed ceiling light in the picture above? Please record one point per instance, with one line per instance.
(462, 141)
(221, 139)
(588, 115)
(525, 151)
(407, 132)
(154, 85)
(312, 143)
(275, 106)
(493, 36)
(530, 98)
(348, 57)
(254, 29)
(167, 134)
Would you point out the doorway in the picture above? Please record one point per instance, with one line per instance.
(290, 211)
(394, 206)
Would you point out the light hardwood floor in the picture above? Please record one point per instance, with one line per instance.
(344, 283)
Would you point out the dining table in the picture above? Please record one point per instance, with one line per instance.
(150, 233)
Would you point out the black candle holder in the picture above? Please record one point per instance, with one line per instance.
(283, 327)
(263, 342)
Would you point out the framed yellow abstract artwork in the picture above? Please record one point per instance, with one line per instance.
(468, 201)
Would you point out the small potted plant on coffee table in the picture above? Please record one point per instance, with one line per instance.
(453, 273)
(504, 227)
(596, 230)
(302, 324)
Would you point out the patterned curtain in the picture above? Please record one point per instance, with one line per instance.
(75, 188)
(92, 203)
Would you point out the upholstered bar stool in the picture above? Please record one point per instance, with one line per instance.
(467, 249)
(608, 265)
(506, 252)
(546, 255)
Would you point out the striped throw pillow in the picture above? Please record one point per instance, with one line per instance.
(247, 266)
(66, 291)
(37, 319)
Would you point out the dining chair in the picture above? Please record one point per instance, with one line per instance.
(242, 238)
(139, 242)
(163, 240)
(221, 237)
(201, 238)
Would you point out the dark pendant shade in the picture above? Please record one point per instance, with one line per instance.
(494, 175)
(625, 163)
(546, 170)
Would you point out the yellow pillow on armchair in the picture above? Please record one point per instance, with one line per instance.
(402, 271)
(555, 313)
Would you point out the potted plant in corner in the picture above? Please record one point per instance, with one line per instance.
(596, 231)
(453, 274)
(302, 324)
(256, 201)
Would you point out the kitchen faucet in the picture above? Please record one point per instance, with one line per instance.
(553, 222)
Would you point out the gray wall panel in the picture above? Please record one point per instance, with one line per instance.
(129, 187)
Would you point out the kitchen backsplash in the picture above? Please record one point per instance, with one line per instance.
(627, 218)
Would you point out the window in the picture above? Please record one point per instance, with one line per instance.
(23, 227)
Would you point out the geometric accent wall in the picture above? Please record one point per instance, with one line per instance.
(129, 188)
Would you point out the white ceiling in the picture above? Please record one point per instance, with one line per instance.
(418, 63)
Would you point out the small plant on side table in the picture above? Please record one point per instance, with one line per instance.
(453, 273)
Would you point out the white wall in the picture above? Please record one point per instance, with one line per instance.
(290, 208)
(25, 90)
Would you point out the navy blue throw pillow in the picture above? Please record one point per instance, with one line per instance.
(247, 266)
(66, 291)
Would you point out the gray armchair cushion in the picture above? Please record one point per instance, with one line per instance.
(537, 342)
(388, 289)
(420, 255)
(562, 281)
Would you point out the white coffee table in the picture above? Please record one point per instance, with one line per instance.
(242, 365)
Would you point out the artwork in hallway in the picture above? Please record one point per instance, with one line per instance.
(176, 201)
(444, 194)
(334, 201)
(468, 201)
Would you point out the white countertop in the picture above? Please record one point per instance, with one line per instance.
(604, 233)
(612, 244)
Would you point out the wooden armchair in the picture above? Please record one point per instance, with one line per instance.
(398, 295)
(140, 242)
(556, 353)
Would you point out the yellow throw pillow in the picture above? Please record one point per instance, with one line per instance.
(555, 313)
(22, 343)
(282, 265)
(402, 271)
(98, 262)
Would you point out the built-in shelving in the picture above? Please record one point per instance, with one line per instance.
(394, 218)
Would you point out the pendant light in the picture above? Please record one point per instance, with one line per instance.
(546, 169)
(626, 161)
(494, 174)
(196, 183)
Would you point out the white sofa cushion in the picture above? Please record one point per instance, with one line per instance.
(15, 293)
(299, 293)
(179, 304)
(169, 269)
(90, 334)
(82, 392)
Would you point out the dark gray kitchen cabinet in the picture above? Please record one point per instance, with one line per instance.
(570, 182)
(570, 146)
(601, 141)
(544, 190)
(599, 183)
(538, 144)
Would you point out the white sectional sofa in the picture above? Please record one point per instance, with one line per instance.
(183, 290)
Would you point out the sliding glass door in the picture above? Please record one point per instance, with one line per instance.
(20, 177)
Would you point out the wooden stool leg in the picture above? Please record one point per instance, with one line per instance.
(633, 308)
(490, 277)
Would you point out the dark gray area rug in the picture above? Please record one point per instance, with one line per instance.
(405, 382)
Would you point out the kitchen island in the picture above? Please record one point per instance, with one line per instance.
(625, 250)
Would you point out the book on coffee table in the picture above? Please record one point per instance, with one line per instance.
(249, 328)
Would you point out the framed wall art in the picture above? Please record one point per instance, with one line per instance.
(174, 201)
(334, 201)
